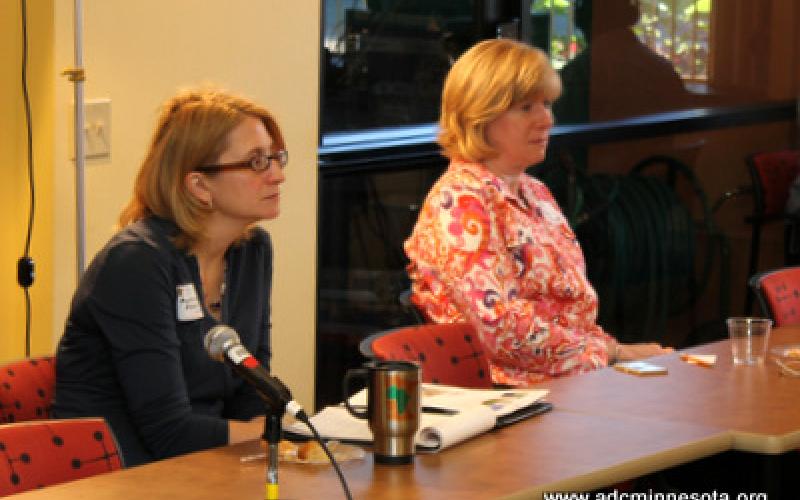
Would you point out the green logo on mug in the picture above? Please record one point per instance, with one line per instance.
(400, 396)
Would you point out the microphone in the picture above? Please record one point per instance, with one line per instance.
(223, 344)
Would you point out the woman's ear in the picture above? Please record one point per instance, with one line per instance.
(197, 185)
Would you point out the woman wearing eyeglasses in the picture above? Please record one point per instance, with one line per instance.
(188, 256)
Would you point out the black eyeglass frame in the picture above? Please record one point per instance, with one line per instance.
(281, 156)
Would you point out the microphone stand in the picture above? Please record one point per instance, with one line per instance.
(272, 435)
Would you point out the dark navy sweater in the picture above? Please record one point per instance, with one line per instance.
(128, 355)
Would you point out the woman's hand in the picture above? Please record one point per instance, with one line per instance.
(629, 352)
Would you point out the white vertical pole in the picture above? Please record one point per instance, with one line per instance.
(80, 160)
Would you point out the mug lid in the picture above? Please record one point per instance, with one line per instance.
(393, 364)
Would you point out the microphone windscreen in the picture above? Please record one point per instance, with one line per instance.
(218, 339)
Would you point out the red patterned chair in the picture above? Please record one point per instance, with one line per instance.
(46, 452)
(26, 389)
(772, 174)
(778, 293)
(447, 353)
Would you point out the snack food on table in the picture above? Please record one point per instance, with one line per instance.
(792, 353)
(287, 450)
(312, 452)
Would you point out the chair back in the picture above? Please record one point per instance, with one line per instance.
(772, 173)
(448, 354)
(778, 293)
(408, 305)
(47, 452)
(26, 389)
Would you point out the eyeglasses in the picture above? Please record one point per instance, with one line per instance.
(258, 163)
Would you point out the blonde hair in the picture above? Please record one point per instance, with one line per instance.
(485, 82)
(192, 130)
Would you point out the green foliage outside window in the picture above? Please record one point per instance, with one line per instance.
(566, 39)
(678, 30)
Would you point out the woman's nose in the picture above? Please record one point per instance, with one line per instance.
(276, 174)
(545, 116)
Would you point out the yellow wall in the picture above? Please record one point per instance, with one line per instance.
(138, 54)
(14, 194)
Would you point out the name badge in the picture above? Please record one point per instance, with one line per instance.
(188, 305)
(550, 213)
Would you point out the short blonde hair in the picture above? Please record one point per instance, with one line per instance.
(485, 82)
(192, 131)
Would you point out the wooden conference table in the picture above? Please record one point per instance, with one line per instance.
(554, 451)
(607, 427)
(759, 405)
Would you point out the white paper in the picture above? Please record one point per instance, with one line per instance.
(477, 412)
(442, 431)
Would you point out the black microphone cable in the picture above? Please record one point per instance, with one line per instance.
(304, 418)
(224, 345)
(25, 266)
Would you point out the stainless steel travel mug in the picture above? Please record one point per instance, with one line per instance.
(393, 405)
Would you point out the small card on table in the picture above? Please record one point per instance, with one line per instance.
(641, 368)
(705, 360)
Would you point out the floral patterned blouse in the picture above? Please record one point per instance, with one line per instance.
(512, 266)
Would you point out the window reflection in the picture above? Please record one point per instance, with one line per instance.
(555, 30)
(636, 59)
(385, 60)
(678, 30)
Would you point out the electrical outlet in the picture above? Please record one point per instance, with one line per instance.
(97, 129)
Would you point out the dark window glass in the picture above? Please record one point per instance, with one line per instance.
(384, 60)
(365, 217)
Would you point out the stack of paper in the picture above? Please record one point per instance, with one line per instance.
(450, 415)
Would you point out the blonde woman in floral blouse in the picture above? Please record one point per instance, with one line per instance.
(491, 245)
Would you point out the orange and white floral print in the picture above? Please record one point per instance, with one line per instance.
(511, 265)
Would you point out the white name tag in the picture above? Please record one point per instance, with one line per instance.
(188, 305)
